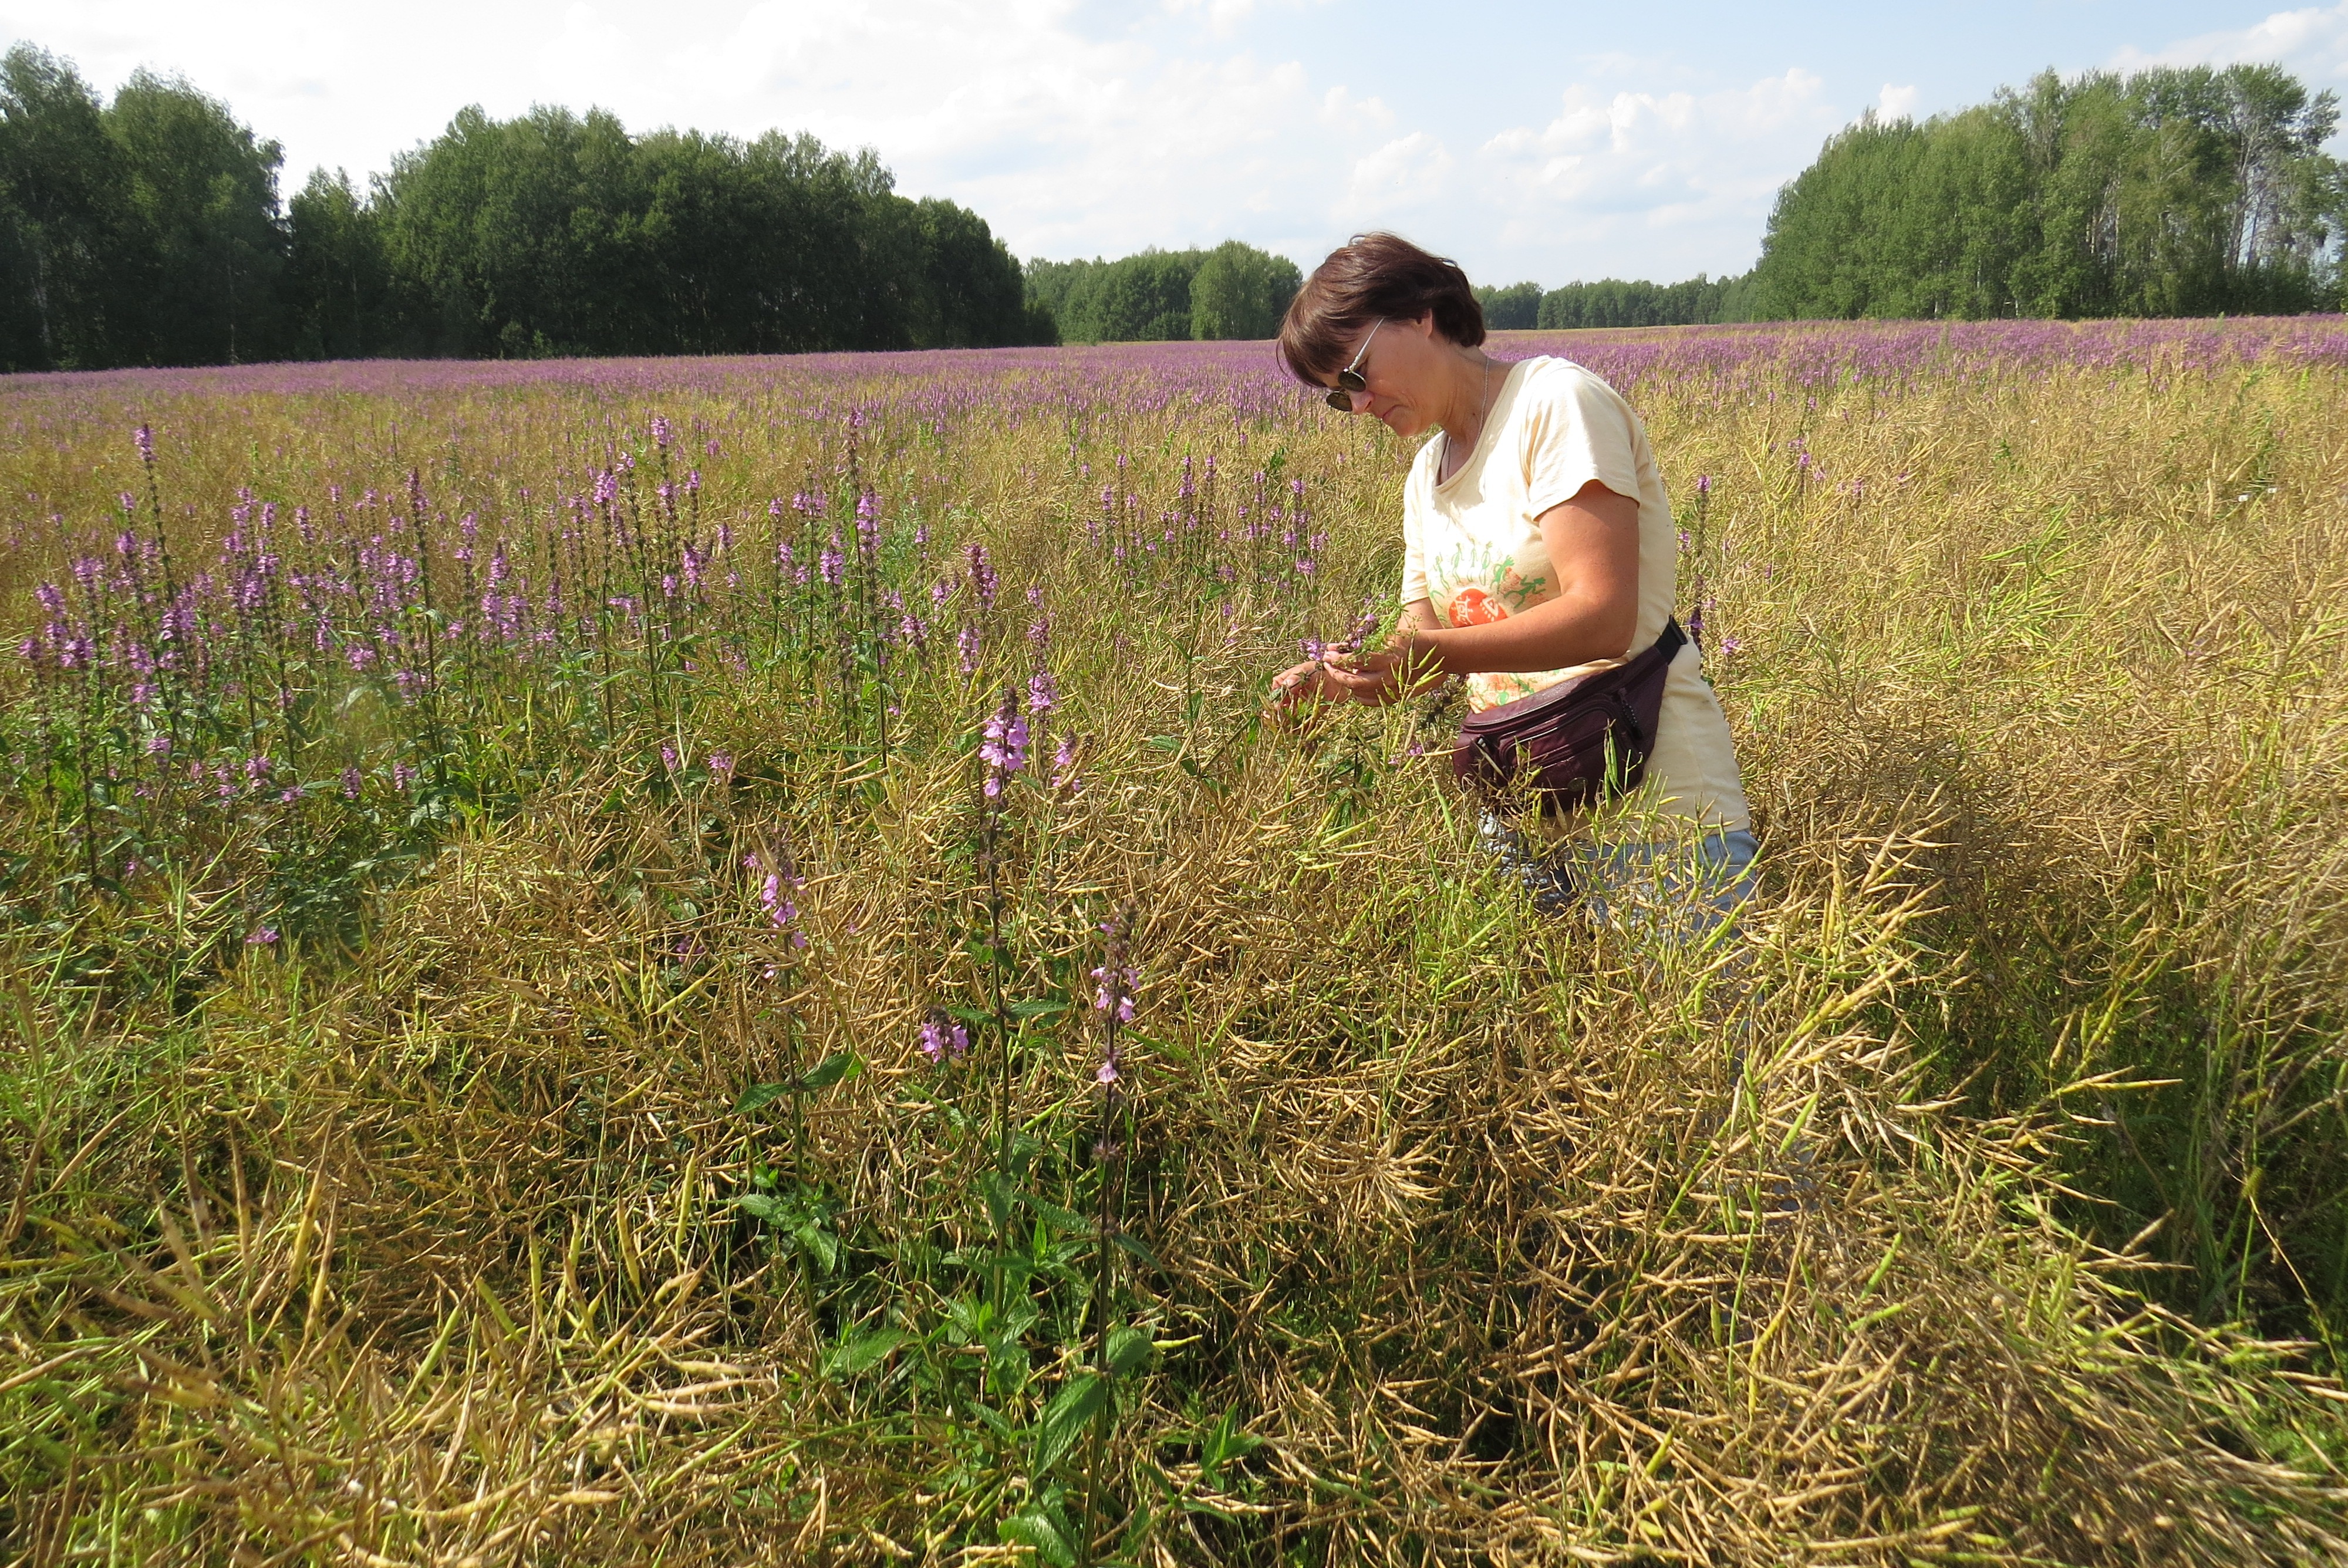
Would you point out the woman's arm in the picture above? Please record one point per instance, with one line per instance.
(1593, 548)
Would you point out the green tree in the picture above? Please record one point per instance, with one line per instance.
(337, 279)
(2168, 192)
(1615, 302)
(71, 269)
(1146, 298)
(560, 233)
(202, 191)
(1239, 291)
(1511, 309)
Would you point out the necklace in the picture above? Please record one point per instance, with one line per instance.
(1482, 409)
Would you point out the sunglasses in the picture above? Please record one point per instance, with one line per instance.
(1349, 379)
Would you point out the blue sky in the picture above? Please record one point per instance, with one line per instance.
(1545, 141)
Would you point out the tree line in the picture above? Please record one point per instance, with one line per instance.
(1234, 291)
(149, 231)
(1617, 302)
(2173, 192)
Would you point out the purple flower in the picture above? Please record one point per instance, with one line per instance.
(1003, 748)
(660, 432)
(721, 766)
(982, 575)
(1064, 765)
(966, 643)
(942, 1039)
(350, 783)
(1043, 695)
(1114, 993)
(144, 439)
(263, 936)
(781, 912)
(159, 745)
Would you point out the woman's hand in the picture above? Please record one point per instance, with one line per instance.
(1299, 686)
(1374, 677)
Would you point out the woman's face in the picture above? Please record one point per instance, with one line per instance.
(1401, 374)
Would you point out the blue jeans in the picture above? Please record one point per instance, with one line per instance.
(1686, 892)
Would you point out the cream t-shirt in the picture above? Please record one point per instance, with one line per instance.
(1473, 546)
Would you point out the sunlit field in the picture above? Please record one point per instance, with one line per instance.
(705, 961)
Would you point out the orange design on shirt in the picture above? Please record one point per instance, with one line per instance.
(1474, 607)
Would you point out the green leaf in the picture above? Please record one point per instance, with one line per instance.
(1065, 1419)
(1129, 1350)
(1001, 1197)
(1221, 1443)
(830, 1071)
(1034, 1529)
(994, 1422)
(1038, 1009)
(976, 1017)
(863, 1351)
(819, 1245)
(759, 1206)
(759, 1094)
(1067, 1222)
(1132, 1245)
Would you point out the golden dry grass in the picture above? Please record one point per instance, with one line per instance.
(1512, 1241)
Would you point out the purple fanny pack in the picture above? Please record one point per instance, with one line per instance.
(1576, 741)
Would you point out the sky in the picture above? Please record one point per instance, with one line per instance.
(1536, 140)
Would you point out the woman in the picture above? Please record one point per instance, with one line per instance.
(1538, 546)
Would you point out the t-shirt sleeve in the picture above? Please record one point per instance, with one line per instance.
(1577, 429)
(1414, 546)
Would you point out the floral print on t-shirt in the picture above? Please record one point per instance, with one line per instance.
(1473, 586)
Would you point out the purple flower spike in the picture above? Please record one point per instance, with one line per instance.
(942, 1039)
(145, 438)
(1004, 744)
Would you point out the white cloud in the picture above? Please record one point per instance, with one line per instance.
(1072, 127)
(1896, 103)
(1404, 175)
(2312, 43)
(1341, 110)
(1607, 185)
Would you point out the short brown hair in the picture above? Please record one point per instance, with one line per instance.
(1374, 277)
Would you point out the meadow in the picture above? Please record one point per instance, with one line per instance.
(705, 961)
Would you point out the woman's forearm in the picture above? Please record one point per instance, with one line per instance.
(1566, 631)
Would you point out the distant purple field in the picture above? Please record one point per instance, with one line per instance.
(1246, 376)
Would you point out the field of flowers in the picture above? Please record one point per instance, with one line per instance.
(706, 961)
